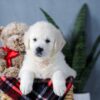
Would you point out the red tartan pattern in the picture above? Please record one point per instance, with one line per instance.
(42, 89)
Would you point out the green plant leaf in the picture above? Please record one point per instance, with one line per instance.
(78, 46)
(86, 72)
(79, 58)
(81, 20)
(49, 18)
(78, 39)
(95, 59)
(93, 51)
(80, 26)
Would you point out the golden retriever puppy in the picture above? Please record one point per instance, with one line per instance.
(44, 58)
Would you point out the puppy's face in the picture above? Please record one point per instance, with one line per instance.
(43, 39)
(41, 43)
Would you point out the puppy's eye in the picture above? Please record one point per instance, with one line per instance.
(47, 40)
(35, 39)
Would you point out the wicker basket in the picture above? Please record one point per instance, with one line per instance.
(3, 96)
(69, 95)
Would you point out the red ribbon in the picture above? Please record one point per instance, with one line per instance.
(10, 55)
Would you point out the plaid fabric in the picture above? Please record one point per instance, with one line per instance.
(42, 89)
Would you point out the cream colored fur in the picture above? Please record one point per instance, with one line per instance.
(51, 64)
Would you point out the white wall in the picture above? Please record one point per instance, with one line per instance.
(64, 13)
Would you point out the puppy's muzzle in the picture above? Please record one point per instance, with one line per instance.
(39, 51)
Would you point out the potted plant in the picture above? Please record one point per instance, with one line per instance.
(75, 52)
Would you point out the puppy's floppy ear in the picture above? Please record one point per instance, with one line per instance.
(59, 42)
(26, 40)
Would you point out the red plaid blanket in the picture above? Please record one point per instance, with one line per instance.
(42, 89)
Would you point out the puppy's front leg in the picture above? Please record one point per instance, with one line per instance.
(26, 81)
(59, 85)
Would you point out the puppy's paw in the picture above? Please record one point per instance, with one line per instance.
(26, 87)
(59, 89)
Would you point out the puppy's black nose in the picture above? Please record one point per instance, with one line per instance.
(39, 49)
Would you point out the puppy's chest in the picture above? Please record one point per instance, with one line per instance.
(44, 72)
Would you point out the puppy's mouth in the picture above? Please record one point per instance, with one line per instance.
(39, 54)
